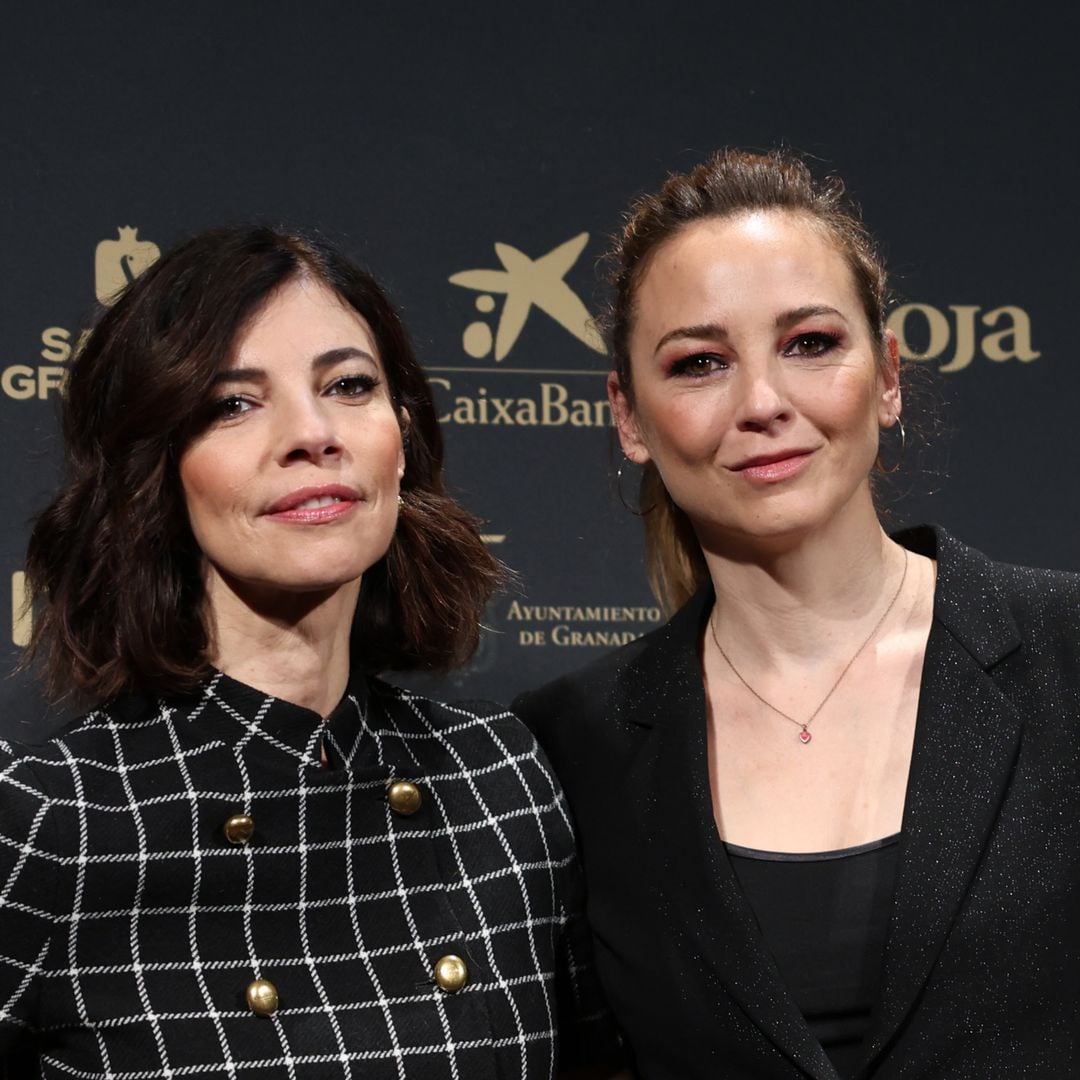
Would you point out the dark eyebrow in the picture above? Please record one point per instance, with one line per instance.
(318, 363)
(789, 318)
(717, 332)
(712, 331)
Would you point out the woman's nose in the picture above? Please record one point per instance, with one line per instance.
(763, 401)
(306, 431)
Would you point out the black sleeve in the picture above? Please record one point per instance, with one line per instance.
(587, 1032)
(33, 869)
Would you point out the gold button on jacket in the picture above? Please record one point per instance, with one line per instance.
(451, 974)
(262, 997)
(238, 828)
(404, 798)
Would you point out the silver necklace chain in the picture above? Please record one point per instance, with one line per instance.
(804, 734)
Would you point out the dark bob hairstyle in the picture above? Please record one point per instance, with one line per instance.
(114, 571)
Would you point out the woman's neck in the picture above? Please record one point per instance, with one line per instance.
(293, 646)
(802, 602)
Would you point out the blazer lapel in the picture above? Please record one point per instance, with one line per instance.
(966, 742)
(703, 903)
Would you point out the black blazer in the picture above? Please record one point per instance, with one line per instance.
(982, 963)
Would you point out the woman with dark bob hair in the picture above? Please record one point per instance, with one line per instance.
(840, 834)
(251, 857)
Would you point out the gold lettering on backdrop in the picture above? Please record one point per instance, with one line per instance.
(116, 264)
(519, 612)
(552, 407)
(1019, 331)
(962, 333)
(937, 325)
(49, 379)
(20, 381)
(965, 337)
(20, 610)
(57, 342)
(563, 635)
(554, 624)
(526, 283)
(17, 382)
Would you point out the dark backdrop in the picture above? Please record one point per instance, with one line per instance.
(420, 136)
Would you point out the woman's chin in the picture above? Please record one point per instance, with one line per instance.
(287, 589)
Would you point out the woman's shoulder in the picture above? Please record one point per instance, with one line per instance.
(1044, 605)
(965, 571)
(438, 710)
(48, 750)
(665, 643)
(1000, 609)
(450, 724)
(589, 704)
(479, 740)
(1037, 585)
(41, 796)
(89, 735)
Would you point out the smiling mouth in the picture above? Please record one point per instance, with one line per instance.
(315, 505)
(766, 460)
(308, 499)
(772, 468)
(320, 500)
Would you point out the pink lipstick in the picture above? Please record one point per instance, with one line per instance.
(314, 505)
(772, 468)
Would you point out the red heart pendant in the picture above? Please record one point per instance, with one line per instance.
(805, 736)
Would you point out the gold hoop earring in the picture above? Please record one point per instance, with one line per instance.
(879, 464)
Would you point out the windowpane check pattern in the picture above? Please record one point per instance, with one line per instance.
(225, 886)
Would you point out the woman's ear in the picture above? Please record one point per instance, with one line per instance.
(406, 424)
(633, 445)
(891, 401)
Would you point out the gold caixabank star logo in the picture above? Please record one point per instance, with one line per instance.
(545, 399)
(118, 262)
(526, 283)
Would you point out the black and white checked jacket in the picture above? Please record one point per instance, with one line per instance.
(131, 928)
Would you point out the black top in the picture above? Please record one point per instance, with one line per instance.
(824, 917)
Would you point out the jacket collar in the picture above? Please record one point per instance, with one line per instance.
(967, 738)
(225, 711)
(966, 601)
(702, 903)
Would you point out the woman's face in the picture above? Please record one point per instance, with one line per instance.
(293, 485)
(758, 388)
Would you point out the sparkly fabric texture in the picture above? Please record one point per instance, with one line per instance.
(982, 961)
(131, 927)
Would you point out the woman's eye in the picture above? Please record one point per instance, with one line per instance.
(698, 365)
(228, 407)
(352, 385)
(812, 344)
